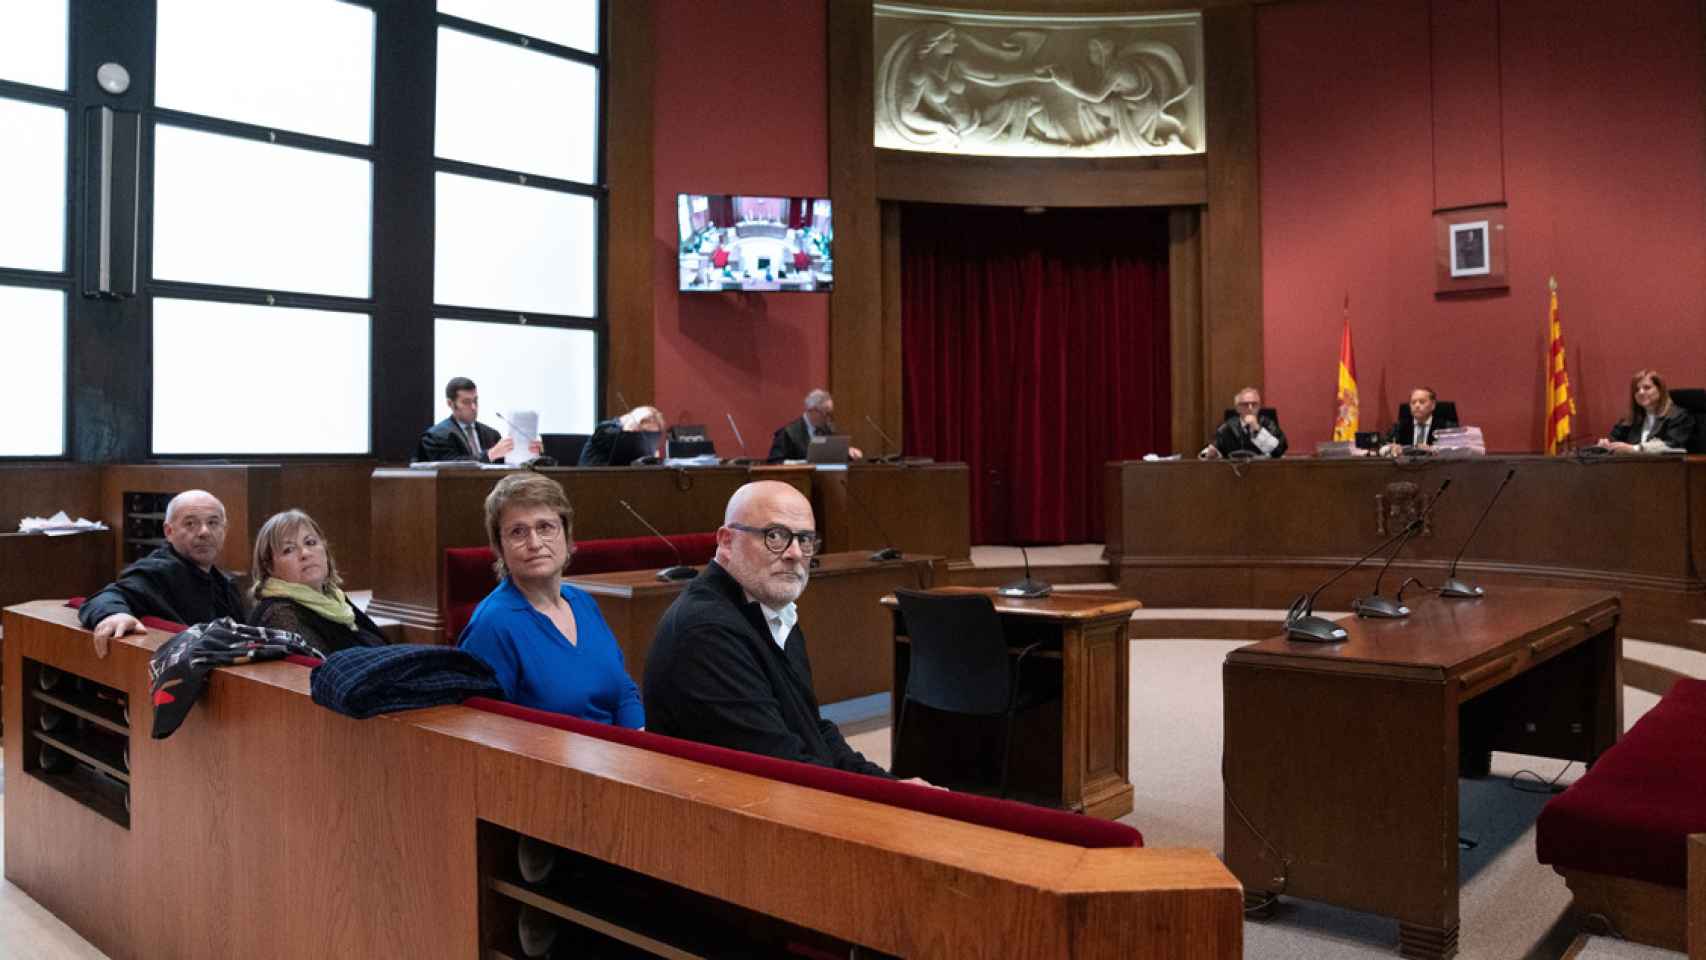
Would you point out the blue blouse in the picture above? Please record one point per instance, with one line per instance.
(538, 667)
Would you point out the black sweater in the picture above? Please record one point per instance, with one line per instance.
(324, 635)
(714, 675)
(165, 585)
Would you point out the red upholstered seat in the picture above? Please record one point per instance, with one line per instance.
(1045, 824)
(1630, 816)
(468, 575)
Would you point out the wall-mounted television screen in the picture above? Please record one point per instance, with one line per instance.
(755, 243)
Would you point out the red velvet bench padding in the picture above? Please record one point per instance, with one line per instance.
(468, 575)
(1039, 822)
(1631, 814)
(1020, 818)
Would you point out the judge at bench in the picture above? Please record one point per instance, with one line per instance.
(728, 663)
(1424, 422)
(1655, 424)
(461, 436)
(793, 440)
(1246, 430)
(177, 582)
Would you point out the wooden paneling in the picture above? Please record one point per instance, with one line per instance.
(40, 489)
(893, 417)
(858, 375)
(336, 495)
(250, 493)
(919, 509)
(1639, 911)
(34, 565)
(1282, 527)
(847, 630)
(631, 253)
(1051, 182)
(261, 790)
(1232, 234)
(1191, 403)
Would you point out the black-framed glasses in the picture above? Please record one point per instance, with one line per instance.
(776, 537)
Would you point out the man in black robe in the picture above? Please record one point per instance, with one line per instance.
(176, 582)
(728, 664)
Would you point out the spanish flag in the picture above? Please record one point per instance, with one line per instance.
(1349, 416)
(1560, 402)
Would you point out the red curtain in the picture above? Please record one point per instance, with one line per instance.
(722, 210)
(798, 209)
(1035, 349)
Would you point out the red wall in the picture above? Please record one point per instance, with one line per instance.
(741, 106)
(1601, 132)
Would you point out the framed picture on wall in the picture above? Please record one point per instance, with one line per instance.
(1470, 249)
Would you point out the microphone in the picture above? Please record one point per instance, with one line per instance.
(1453, 587)
(680, 571)
(1026, 588)
(742, 460)
(1377, 605)
(623, 401)
(1301, 622)
(887, 443)
(889, 551)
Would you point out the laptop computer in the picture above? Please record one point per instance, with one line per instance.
(830, 449)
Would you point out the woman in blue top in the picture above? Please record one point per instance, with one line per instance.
(547, 642)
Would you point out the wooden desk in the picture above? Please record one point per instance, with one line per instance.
(1211, 534)
(847, 633)
(926, 508)
(1077, 757)
(399, 828)
(1346, 756)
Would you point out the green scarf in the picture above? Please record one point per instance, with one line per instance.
(332, 604)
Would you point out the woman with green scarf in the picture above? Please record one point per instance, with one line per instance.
(297, 587)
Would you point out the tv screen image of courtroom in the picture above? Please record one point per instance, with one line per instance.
(755, 243)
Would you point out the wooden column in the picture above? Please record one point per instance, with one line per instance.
(628, 173)
(1232, 221)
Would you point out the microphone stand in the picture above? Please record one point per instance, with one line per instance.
(680, 571)
(889, 551)
(743, 460)
(1378, 606)
(1301, 622)
(1454, 588)
(1027, 588)
(887, 443)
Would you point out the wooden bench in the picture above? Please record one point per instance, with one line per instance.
(267, 825)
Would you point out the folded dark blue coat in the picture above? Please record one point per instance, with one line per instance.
(365, 681)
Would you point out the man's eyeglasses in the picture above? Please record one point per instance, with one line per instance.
(547, 530)
(776, 537)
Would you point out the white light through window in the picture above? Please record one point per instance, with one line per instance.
(248, 214)
(304, 65)
(32, 366)
(546, 369)
(506, 106)
(508, 247)
(33, 44)
(246, 379)
(32, 186)
(570, 23)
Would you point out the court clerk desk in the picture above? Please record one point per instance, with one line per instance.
(1345, 757)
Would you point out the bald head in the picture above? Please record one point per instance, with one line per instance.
(773, 579)
(195, 526)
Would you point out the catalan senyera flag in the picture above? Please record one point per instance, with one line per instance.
(1560, 402)
(1345, 422)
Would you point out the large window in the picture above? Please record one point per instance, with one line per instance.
(262, 194)
(34, 278)
(518, 207)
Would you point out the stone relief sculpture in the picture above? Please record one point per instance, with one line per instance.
(957, 88)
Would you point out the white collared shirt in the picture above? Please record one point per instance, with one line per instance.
(781, 622)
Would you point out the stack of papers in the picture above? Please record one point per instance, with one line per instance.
(1460, 441)
(58, 525)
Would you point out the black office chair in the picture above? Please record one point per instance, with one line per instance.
(1443, 410)
(1693, 399)
(960, 663)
